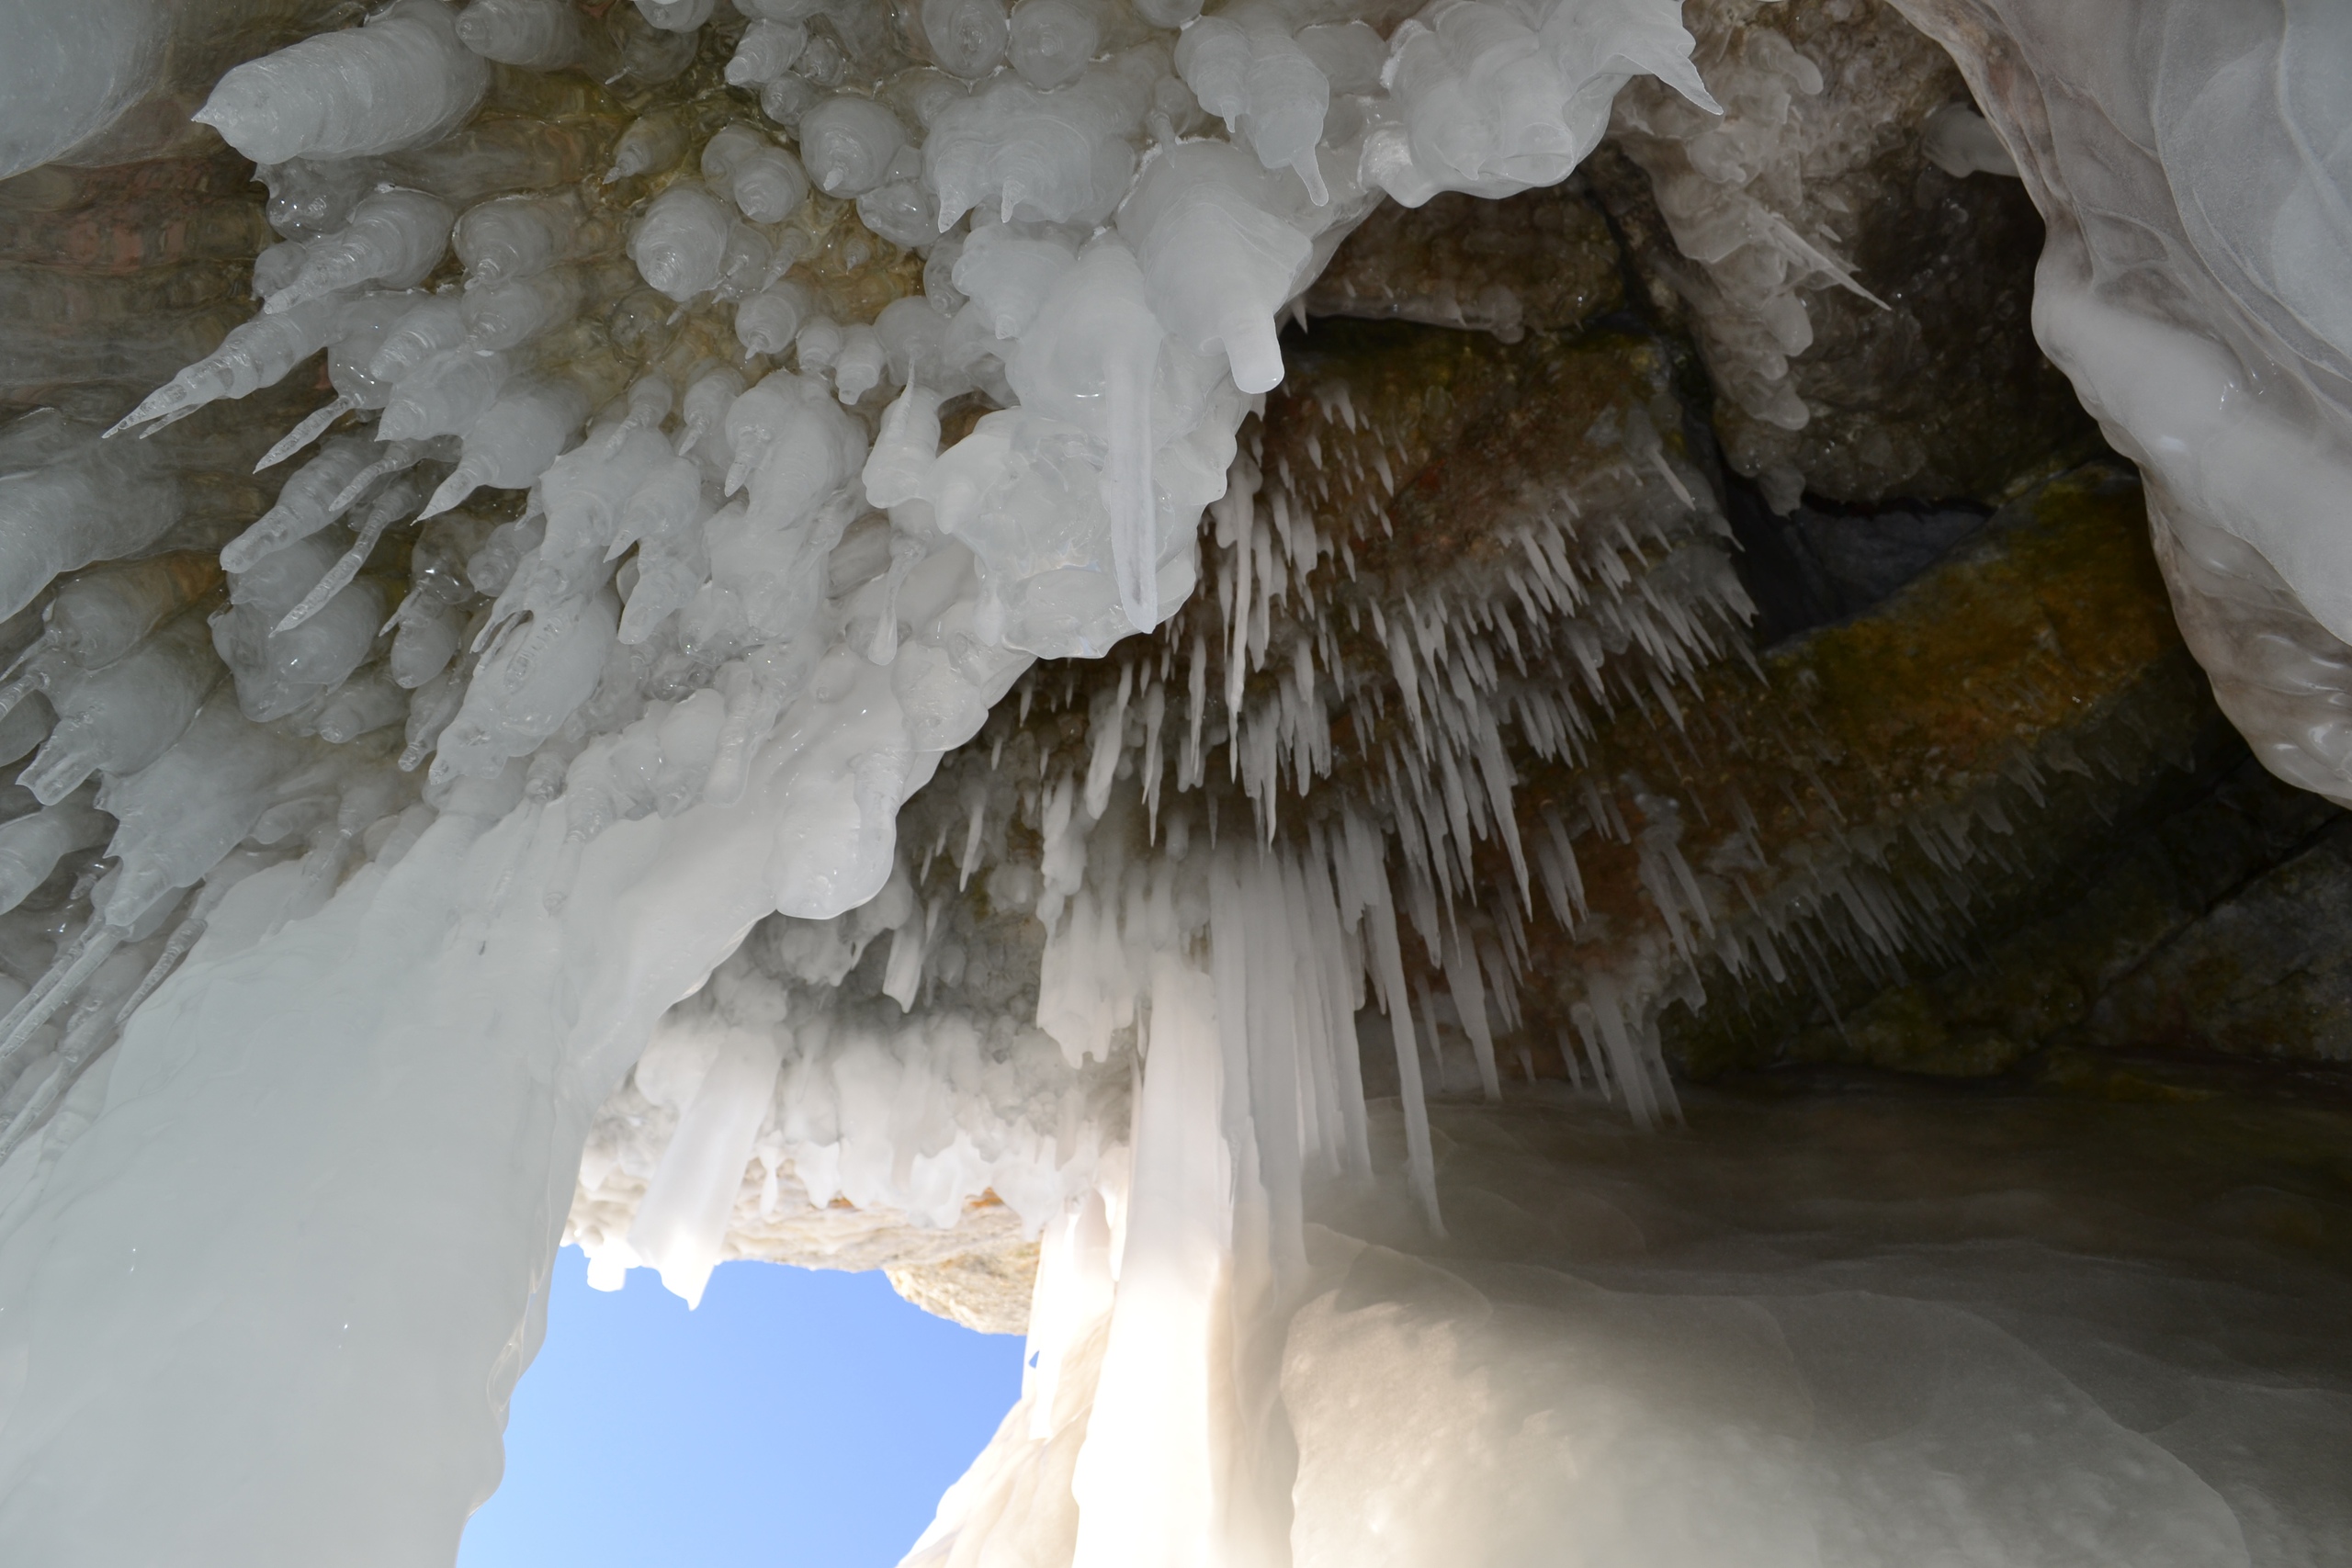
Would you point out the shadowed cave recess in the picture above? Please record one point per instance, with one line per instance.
(1566, 776)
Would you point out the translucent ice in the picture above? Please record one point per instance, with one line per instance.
(276, 672)
(515, 441)
(764, 181)
(541, 35)
(97, 501)
(1246, 68)
(1062, 157)
(515, 236)
(120, 717)
(394, 238)
(766, 51)
(101, 614)
(31, 845)
(966, 37)
(2227, 381)
(681, 243)
(401, 80)
(1053, 40)
(848, 144)
(657, 718)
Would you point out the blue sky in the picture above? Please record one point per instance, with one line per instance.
(796, 1417)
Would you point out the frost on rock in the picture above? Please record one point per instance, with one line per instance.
(588, 696)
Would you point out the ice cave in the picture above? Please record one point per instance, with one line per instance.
(1566, 777)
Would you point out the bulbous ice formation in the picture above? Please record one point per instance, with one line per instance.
(515, 236)
(1058, 158)
(401, 80)
(765, 183)
(1491, 101)
(767, 322)
(91, 503)
(676, 16)
(1053, 40)
(1208, 231)
(515, 441)
(444, 395)
(394, 239)
(530, 681)
(1246, 68)
(31, 845)
(848, 144)
(101, 614)
(966, 37)
(122, 715)
(64, 78)
(539, 35)
(681, 243)
(276, 670)
(766, 51)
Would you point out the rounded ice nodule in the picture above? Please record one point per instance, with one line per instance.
(681, 243)
(765, 51)
(676, 16)
(651, 146)
(847, 143)
(765, 181)
(769, 321)
(966, 37)
(1053, 40)
(538, 34)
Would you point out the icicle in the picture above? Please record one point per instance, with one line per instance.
(1108, 738)
(309, 429)
(1470, 1001)
(971, 855)
(382, 514)
(1365, 878)
(75, 965)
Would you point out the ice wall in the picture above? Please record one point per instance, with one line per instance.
(2191, 164)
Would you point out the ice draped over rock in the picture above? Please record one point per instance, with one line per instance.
(2194, 165)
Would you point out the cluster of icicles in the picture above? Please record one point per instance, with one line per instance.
(1615, 588)
(1113, 205)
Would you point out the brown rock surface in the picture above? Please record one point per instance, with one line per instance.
(1544, 261)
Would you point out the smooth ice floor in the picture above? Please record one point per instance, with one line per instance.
(796, 1417)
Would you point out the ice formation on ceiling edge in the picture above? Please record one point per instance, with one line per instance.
(755, 596)
(2192, 162)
